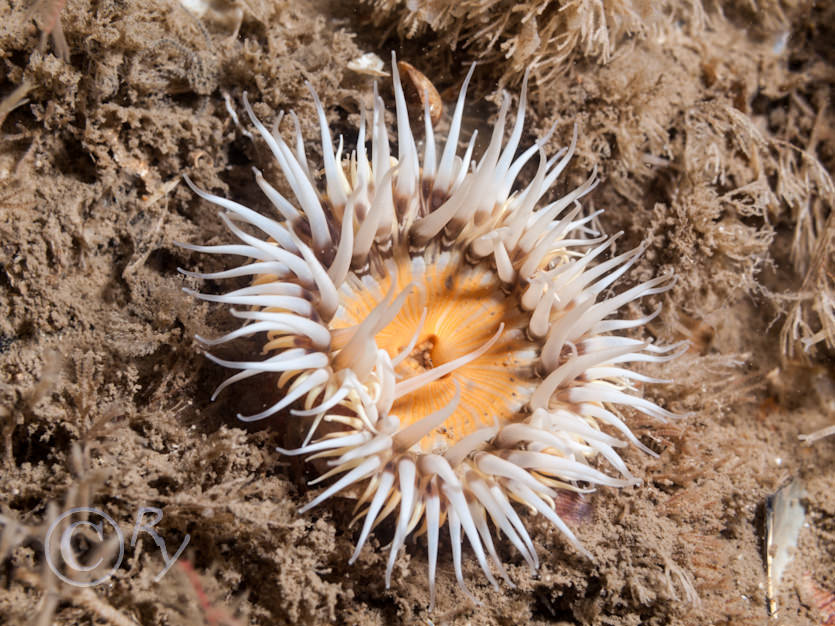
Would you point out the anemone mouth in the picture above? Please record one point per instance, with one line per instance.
(448, 339)
(454, 310)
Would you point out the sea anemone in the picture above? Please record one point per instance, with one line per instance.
(447, 336)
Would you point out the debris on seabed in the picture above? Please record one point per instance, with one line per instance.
(784, 516)
(369, 64)
(419, 89)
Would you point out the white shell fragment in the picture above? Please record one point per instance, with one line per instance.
(784, 515)
(197, 8)
(369, 64)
